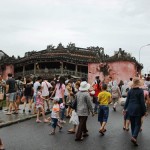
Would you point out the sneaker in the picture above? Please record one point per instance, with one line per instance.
(38, 121)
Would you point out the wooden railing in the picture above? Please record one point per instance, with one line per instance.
(48, 72)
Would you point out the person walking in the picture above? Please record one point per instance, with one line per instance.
(135, 105)
(28, 94)
(45, 93)
(2, 91)
(84, 106)
(104, 98)
(59, 93)
(11, 88)
(116, 94)
(40, 105)
(35, 86)
(55, 116)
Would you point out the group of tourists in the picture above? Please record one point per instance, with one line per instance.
(74, 99)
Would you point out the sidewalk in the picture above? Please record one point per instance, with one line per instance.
(6, 120)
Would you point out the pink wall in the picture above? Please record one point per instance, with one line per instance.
(8, 69)
(120, 70)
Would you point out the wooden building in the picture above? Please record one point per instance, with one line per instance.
(59, 61)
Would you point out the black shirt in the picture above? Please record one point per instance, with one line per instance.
(12, 85)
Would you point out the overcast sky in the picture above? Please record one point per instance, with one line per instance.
(27, 25)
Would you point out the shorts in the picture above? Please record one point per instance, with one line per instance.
(19, 93)
(12, 97)
(39, 106)
(28, 98)
(103, 113)
(54, 122)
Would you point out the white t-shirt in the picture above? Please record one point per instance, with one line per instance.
(45, 88)
(55, 111)
(35, 86)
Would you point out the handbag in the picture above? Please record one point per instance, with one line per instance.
(74, 118)
(1, 96)
(122, 101)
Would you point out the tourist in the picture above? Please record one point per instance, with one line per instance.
(40, 105)
(84, 105)
(120, 84)
(28, 94)
(104, 98)
(124, 92)
(11, 93)
(45, 92)
(97, 89)
(1, 145)
(130, 83)
(55, 116)
(35, 86)
(59, 93)
(116, 94)
(69, 98)
(2, 91)
(135, 105)
(74, 122)
(20, 85)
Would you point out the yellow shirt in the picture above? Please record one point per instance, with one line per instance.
(104, 97)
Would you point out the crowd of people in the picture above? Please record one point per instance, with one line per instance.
(74, 99)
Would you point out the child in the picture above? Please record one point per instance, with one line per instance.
(40, 105)
(104, 98)
(55, 115)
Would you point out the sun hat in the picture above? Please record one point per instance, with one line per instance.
(84, 86)
(136, 82)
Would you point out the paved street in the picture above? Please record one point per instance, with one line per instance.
(29, 135)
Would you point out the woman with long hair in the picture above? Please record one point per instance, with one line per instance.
(59, 93)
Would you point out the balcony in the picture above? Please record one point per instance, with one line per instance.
(52, 72)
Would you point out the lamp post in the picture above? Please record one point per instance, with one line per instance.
(140, 50)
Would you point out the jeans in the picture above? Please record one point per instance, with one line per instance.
(62, 113)
(54, 122)
(103, 113)
(135, 125)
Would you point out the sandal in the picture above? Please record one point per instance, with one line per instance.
(102, 132)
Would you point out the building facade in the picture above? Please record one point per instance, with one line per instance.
(78, 62)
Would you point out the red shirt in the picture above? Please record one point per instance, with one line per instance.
(97, 89)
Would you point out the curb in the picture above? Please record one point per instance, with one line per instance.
(18, 120)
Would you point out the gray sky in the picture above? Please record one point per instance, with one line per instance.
(27, 25)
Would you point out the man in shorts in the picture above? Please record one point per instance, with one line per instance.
(11, 94)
